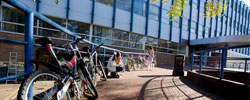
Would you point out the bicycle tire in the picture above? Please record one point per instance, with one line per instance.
(31, 79)
(89, 84)
(103, 72)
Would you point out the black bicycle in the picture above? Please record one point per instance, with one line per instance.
(62, 80)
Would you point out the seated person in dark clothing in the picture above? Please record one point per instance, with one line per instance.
(115, 65)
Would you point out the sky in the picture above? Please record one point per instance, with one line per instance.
(247, 2)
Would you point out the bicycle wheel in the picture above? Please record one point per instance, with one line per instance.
(41, 85)
(102, 74)
(89, 87)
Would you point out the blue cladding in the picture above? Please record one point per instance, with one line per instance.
(147, 17)
(221, 29)
(237, 1)
(67, 9)
(198, 20)
(160, 20)
(238, 28)
(231, 20)
(93, 11)
(114, 13)
(171, 25)
(37, 5)
(132, 16)
(190, 20)
(205, 22)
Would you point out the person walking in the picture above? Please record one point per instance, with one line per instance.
(150, 58)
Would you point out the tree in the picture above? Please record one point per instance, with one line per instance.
(214, 9)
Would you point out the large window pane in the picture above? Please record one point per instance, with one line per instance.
(136, 38)
(13, 27)
(13, 15)
(78, 27)
(120, 35)
(102, 32)
(151, 41)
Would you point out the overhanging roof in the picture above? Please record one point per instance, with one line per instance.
(220, 42)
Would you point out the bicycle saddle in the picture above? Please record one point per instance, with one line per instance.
(43, 41)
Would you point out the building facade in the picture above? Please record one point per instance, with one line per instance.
(131, 24)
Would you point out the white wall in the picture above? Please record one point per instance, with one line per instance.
(103, 14)
(80, 10)
(49, 7)
(122, 19)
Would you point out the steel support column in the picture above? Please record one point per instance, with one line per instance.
(248, 25)
(160, 20)
(231, 20)
(37, 5)
(245, 69)
(147, 17)
(223, 62)
(28, 37)
(216, 26)
(245, 28)
(242, 21)
(132, 16)
(103, 57)
(29, 23)
(114, 13)
(200, 63)
(93, 11)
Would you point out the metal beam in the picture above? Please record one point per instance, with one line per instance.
(171, 25)
(147, 17)
(160, 20)
(29, 23)
(132, 16)
(231, 20)
(67, 9)
(223, 63)
(190, 20)
(221, 28)
(114, 13)
(198, 20)
(93, 11)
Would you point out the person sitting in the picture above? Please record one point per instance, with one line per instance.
(115, 65)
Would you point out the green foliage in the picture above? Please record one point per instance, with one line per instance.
(163, 1)
(176, 9)
(214, 9)
(57, 1)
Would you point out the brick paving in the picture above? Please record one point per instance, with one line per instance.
(158, 84)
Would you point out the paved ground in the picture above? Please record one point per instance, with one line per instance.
(157, 84)
(151, 85)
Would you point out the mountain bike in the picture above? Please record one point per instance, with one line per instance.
(94, 65)
(63, 80)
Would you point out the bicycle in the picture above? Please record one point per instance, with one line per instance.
(95, 63)
(63, 80)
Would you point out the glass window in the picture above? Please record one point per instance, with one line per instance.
(136, 38)
(106, 2)
(59, 21)
(120, 35)
(13, 15)
(13, 27)
(140, 7)
(154, 12)
(151, 41)
(78, 27)
(124, 4)
(102, 32)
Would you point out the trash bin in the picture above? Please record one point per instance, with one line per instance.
(179, 65)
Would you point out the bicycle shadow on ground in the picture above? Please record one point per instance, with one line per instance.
(160, 92)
